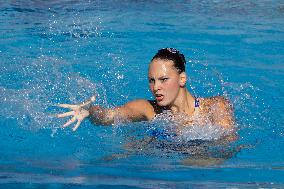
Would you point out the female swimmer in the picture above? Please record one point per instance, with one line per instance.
(167, 80)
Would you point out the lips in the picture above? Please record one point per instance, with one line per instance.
(159, 97)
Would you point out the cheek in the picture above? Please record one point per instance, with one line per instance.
(172, 85)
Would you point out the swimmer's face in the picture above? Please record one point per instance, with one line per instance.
(165, 81)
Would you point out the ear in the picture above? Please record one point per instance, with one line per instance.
(182, 79)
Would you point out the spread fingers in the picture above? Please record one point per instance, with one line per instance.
(65, 114)
(86, 103)
(77, 125)
(71, 106)
(72, 120)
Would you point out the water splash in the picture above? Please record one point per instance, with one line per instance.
(46, 82)
(204, 80)
(179, 128)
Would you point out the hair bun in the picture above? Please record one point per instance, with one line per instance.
(174, 55)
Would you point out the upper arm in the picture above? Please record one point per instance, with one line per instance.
(222, 112)
(137, 110)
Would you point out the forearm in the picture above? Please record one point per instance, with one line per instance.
(132, 111)
(101, 116)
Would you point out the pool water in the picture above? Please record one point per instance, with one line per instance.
(66, 51)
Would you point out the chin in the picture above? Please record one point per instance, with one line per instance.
(162, 103)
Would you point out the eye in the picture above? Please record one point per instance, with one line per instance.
(164, 79)
(151, 80)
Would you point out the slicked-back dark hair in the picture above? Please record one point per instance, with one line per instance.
(173, 55)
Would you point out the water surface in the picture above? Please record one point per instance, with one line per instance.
(65, 51)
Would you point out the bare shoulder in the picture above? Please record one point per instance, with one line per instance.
(220, 109)
(216, 102)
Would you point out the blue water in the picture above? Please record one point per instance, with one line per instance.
(65, 51)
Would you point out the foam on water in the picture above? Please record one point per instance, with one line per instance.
(178, 128)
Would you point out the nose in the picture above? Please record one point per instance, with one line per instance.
(157, 86)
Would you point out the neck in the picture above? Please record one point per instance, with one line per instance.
(184, 102)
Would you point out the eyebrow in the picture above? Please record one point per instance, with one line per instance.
(162, 77)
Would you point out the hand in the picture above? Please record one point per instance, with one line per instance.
(78, 112)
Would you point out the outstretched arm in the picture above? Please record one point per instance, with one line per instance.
(137, 110)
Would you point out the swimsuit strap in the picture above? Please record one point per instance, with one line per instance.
(196, 102)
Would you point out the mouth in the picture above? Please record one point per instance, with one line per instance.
(159, 97)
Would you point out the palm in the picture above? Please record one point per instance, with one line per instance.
(78, 112)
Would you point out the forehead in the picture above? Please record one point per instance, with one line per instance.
(161, 67)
